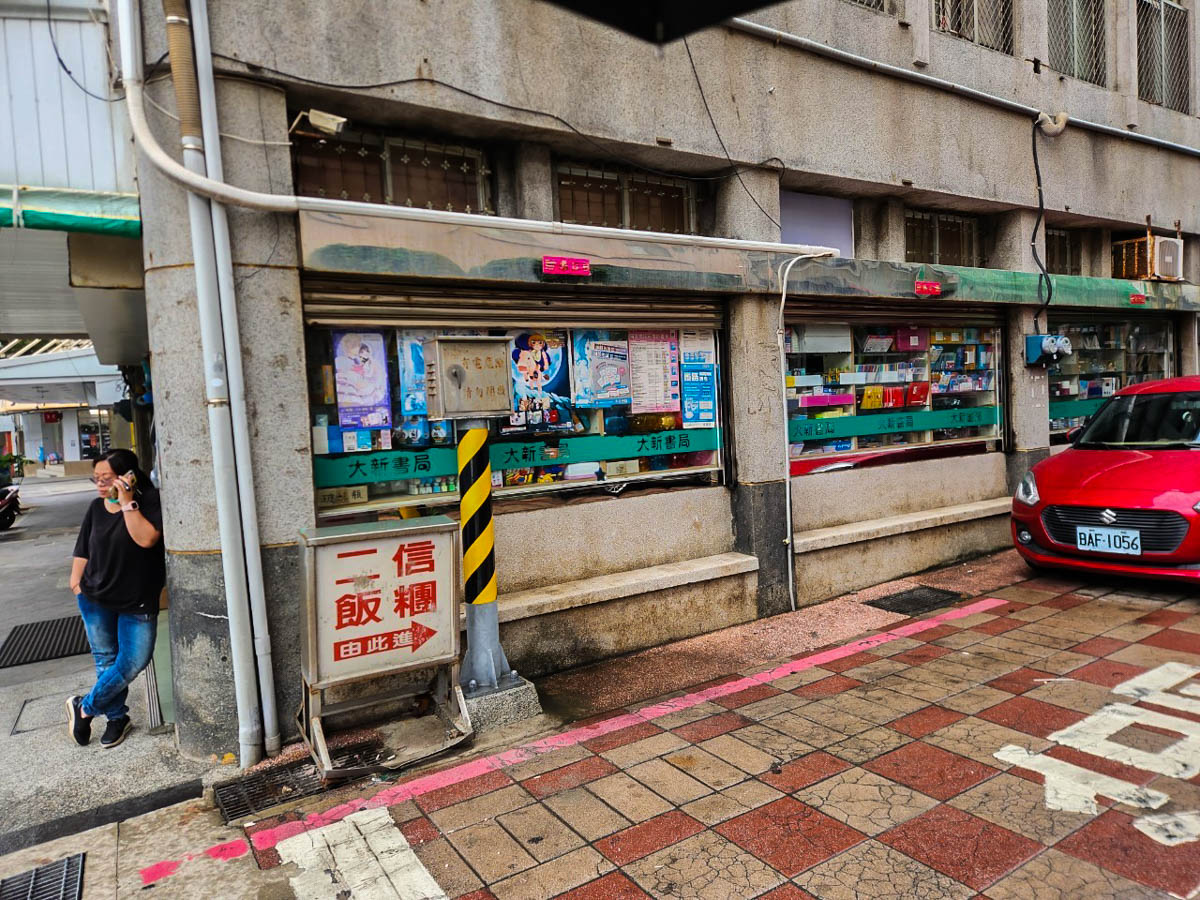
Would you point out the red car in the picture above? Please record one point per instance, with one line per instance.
(1123, 499)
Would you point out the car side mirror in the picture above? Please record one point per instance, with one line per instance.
(1074, 433)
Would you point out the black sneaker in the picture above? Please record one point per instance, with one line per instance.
(115, 732)
(78, 727)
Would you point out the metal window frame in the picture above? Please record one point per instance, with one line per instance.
(1098, 56)
(874, 5)
(483, 187)
(974, 37)
(1074, 244)
(1161, 76)
(625, 179)
(935, 219)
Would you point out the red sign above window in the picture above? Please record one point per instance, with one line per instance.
(928, 289)
(565, 265)
(1137, 299)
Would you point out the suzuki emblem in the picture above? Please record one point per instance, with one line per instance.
(1108, 517)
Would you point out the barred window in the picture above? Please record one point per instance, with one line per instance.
(369, 167)
(941, 239)
(1077, 44)
(869, 4)
(1162, 49)
(988, 23)
(589, 195)
(1064, 252)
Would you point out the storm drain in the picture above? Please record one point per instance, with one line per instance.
(62, 880)
(39, 641)
(261, 791)
(915, 601)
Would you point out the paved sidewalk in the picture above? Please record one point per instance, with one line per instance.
(910, 760)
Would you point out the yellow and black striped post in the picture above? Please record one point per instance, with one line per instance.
(484, 665)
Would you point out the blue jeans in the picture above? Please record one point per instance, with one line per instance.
(122, 645)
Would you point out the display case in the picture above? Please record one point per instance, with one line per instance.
(873, 387)
(1106, 356)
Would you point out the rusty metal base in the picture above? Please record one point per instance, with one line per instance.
(408, 740)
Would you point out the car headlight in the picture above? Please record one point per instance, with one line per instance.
(1027, 491)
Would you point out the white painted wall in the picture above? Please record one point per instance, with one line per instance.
(70, 430)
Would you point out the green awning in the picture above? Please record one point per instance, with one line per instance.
(62, 209)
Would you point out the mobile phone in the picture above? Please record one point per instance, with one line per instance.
(112, 491)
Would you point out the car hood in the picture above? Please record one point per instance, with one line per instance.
(1170, 476)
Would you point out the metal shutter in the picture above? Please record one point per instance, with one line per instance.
(890, 312)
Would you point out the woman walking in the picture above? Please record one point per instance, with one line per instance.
(117, 575)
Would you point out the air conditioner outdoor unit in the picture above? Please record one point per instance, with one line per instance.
(1148, 258)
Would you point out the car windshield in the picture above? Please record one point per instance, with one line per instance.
(1146, 421)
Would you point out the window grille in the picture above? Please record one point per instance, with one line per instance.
(988, 23)
(1064, 252)
(346, 168)
(869, 4)
(615, 199)
(436, 176)
(941, 239)
(1076, 34)
(1162, 39)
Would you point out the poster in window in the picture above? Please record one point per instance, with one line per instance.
(541, 380)
(410, 351)
(654, 371)
(599, 368)
(361, 376)
(698, 371)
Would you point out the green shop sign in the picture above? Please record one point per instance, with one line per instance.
(800, 430)
(393, 465)
(1075, 409)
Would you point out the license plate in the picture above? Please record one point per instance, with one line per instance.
(1109, 540)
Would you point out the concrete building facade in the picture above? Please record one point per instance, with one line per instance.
(765, 135)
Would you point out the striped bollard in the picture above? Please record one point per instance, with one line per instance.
(485, 666)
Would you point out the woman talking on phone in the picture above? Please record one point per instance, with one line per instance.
(117, 576)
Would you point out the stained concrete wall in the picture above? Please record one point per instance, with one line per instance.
(841, 497)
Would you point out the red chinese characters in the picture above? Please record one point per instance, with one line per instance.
(412, 637)
(414, 559)
(414, 599)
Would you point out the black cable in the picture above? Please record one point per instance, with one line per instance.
(1043, 274)
(399, 82)
(721, 141)
(70, 74)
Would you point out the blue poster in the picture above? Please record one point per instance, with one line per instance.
(698, 368)
(541, 380)
(599, 368)
(410, 348)
(360, 370)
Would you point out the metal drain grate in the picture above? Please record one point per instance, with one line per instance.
(38, 641)
(260, 791)
(62, 880)
(916, 600)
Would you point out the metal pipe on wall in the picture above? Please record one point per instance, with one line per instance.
(216, 384)
(237, 386)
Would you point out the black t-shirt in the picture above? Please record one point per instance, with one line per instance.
(120, 574)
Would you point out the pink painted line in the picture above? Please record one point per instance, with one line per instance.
(425, 784)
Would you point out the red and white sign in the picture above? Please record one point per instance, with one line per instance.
(385, 603)
(566, 265)
(928, 289)
(1137, 299)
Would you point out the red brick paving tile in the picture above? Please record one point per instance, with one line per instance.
(936, 633)
(749, 695)
(648, 837)
(613, 886)
(786, 891)
(713, 726)
(574, 775)
(482, 894)
(931, 770)
(1100, 646)
(419, 831)
(457, 793)
(850, 662)
(1112, 842)
(1067, 601)
(268, 858)
(789, 835)
(826, 687)
(1165, 617)
(998, 626)
(1101, 765)
(1168, 711)
(806, 770)
(1007, 609)
(1106, 672)
(1172, 639)
(1019, 681)
(925, 721)
(919, 655)
(962, 846)
(620, 738)
(1031, 716)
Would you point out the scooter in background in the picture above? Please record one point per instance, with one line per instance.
(10, 505)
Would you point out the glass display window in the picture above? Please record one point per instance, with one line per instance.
(876, 387)
(1105, 357)
(590, 408)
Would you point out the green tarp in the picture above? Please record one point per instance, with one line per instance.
(60, 209)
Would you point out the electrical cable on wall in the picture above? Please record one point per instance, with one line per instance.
(721, 141)
(1043, 274)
